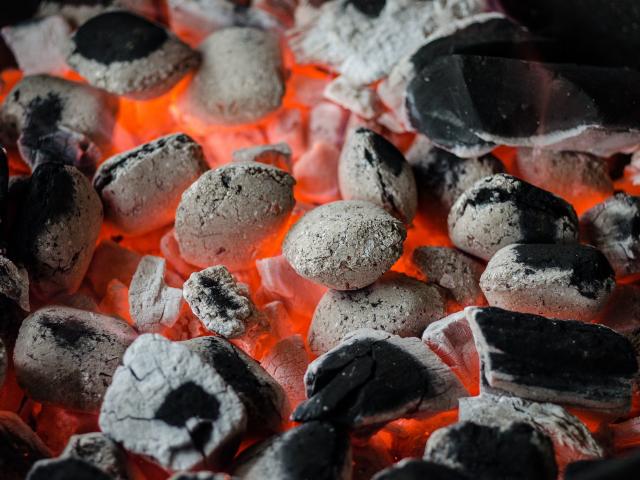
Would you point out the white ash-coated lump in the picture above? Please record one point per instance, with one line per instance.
(78, 12)
(66, 357)
(240, 80)
(227, 213)
(100, 451)
(141, 188)
(344, 245)
(166, 403)
(395, 303)
(145, 62)
(500, 210)
(563, 281)
(371, 168)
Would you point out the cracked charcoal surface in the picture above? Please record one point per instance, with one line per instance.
(228, 212)
(500, 210)
(512, 452)
(395, 303)
(566, 281)
(606, 469)
(344, 245)
(20, 447)
(261, 395)
(315, 450)
(100, 451)
(167, 403)
(413, 469)
(373, 377)
(520, 354)
(67, 357)
(372, 169)
(141, 188)
(66, 468)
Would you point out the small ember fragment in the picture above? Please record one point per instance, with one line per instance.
(19, 447)
(413, 469)
(100, 451)
(66, 468)
(278, 155)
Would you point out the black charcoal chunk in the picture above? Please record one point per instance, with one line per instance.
(563, 281)
(560, 361)
(20, 447)
(373, 377)
(126, 54)
(614, 227)
(414, 469)
(77, 12)
(100, 451)
(4, 198)
(624, 468)
(500, 210)
(315, 450)
(512, 452)
(14, 283)
(200, 476)
(66, 469)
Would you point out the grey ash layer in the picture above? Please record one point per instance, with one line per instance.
(145, 62)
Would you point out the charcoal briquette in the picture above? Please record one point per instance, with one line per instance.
(4, 361)
(14, 283)
(358, 99)
(414, 469)
(66, 468)
(278, 155)
(623, 468)
(77, 12)
(100, 451)
(20, 447)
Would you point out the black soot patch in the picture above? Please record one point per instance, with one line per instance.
(187, 401)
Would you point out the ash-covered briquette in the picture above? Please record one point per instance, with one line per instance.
(66, 357)
(14, 283)
(500, 210)
(372, 169)
(40, 104)
(100, 451)
(56, 228)
(414, 469)
(224, 217)
(614, 227)
(263, 398)
(454, 271)
(395, 303)
(316, 450)
(623, 468)
(513, 451)
(559, 281)
(126, 54)
(66, 468)
(241, 78)
(373, 377)
(559, 361)
(77, 12)
(571, 439)
(278, 155)
(167, 403)
(20, 447)
(152, 303)
(141, 188)
(200, 476)
(223, 305)
(344, 245)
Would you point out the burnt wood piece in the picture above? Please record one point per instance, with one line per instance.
(20, 447)
(624, 468)
(413, 469)
(66, 468)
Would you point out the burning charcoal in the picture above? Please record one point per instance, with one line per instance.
(614, 227)
(45, 103)
(327, 123)
(500, 210)
(361, 100)
(66, 468)
(19, 447)
(248, 87)
(395, 304)
(165, 402)
(67, 357)
(145, 62)
(57, 228)
(571, 438)
(228, 212)
(344, 245)
(623, 310)
(223, 305)
(200, 476)
(4, 360)
(78, 12)
(520, 353)
(261, 395)
(278, 155)
(14, 283)
(100, 451)
(412, 469)
(373, 169)
(141, 188)
(513, 451)
(610, 469)
(287, 363)
(153, 304)
(373, 377)
(111, 261)
(316, 174)
(313, 450)
(452, 270)
(564, 281)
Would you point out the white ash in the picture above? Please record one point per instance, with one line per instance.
(571, 438)
(152, 303)
(100, 451)
(240, 80)
(327, 123)
(395, 303)
(454, 271)
(14, 283)
(223, 305)
(565, 281)
(363, 41)
(316, 174)
(612, 226)
(77, 13)
(224, 217)
(21, 447)
(344, 245)
(501, 210)
(278, 155)
(287, 363)
(141, 188)
(26, 41)
(371, 168)
(358, 99)
(66, 357)
(166, 403)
